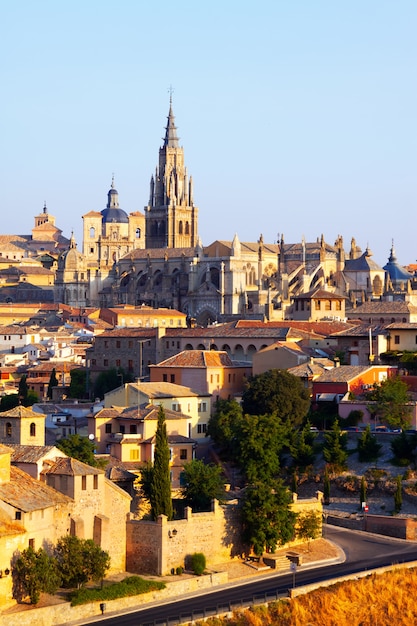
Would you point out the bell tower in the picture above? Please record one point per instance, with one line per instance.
(171, 217)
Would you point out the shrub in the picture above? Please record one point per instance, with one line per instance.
(198, 563)
(130, 586)
(179, 570)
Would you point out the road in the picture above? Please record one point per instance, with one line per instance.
(363, 551)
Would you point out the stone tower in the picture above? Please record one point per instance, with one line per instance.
(171, 217)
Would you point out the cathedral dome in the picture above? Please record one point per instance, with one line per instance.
(113, 213)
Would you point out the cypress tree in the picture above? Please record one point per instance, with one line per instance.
(160, 496)
(362, 494)
(53, 382)
(326, 487)
(398, 495)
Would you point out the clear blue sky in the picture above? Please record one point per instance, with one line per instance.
(296, 116)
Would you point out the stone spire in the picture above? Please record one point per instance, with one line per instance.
(171, 139)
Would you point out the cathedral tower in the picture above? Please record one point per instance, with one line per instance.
(171, 217)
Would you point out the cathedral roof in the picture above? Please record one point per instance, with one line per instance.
(395, 271)
(363, 263)
(171, 139)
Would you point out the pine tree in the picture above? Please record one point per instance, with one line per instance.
(160, 499)
(368, 446)
(334, 449)
(398, 495)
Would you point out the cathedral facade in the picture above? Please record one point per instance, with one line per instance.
(157, 258)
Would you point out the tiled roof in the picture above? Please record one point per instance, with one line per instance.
(397, 326)
(20, 412)
(173, 440)
(149, 412)
(385, 307)
(27, 494)
(198, 358)
(165, 390)
(67, 466)
(135, 332)
(362, 331)
(30, 454)
(310, 370)
(342, 374)
(320, 293)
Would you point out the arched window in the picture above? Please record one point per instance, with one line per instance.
(187, 228)
(92, 232)
(138, 233)
(180, 228)
(8, 429)
(33, 429)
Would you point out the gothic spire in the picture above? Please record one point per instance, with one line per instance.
(171, 139)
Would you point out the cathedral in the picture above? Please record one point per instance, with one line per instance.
(156, 258)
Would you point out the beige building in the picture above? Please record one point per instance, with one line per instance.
(22, 426)
(172, 397)
(206, 371)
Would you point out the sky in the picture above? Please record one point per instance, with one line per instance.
(297, 117)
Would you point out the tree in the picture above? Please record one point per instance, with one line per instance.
(302, 446)
(145, 479)
(276, 392)
(308, 526)
(335, 444)
(261, 440)
(404, 449)
(368, 446)
(35, 572)
(202, 484)
(23, 389)
(53, 382)
(391, 402)
(294, 482)
(224, 427)
(9, 401)
(326, 486)
(362, 493)
(160, 496)
(398, 495)
(78, 447)
(198, 563)
(267, 518)
(78, 383)
(80, 560)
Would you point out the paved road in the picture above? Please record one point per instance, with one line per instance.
(363, 551)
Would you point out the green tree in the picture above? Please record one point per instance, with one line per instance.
(109, 380)
(224, 427)
(308, 526)
(368, 447)
(404, 449)
(78, 383)
(302, 446)
(23, 389)
(266, 515)
(398, 495)
(276, 392)
(35, 572)
(160, 499)
(326, 486)
(198, 563)
(294, 482)
(391, 402)
(78, 447)
(9, 401)
(145, 479)
(80, 560)
(362, 493)
(334, 449)
(202, 484)
(53, 382)
(261, 438)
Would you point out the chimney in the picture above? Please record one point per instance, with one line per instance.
(336, 361)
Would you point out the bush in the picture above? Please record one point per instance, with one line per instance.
(198, 563)
(130, 586)
(179, 570)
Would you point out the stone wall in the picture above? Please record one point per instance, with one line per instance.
(400, 527)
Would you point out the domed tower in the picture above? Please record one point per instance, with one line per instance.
(71, 282)
(110, 234)
(171, 217)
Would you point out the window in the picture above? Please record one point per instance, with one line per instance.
(83, 483)
(134, 455)
(396, 339)
(117, 344)
(202, 407)
(172, 378)
(32, 544)
(105, 362)
(165, 378)
(183, 454)
(8, 429)
(106, 344)
(328, 305)
(18, 515)
(95, 481)
(122, 429)
(201, 428)
(118, 363)
(133, 429)
(93, 362)
(33, 429)
(108, 429)
(130, 365)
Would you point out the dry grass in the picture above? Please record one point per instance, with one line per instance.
(377, 600)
